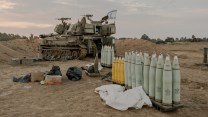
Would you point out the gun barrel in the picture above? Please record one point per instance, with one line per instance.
(47, 35)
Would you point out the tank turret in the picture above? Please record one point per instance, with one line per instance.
(63, 27)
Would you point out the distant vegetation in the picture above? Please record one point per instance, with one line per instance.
(6, 37)
(171, 39)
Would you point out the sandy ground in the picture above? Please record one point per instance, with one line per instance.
(78, 98)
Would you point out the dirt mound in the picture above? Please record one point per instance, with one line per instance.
(17, 49)
(138, 45)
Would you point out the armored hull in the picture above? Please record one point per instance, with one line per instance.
(70, 47)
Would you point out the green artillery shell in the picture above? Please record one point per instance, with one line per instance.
(176, 81)
(146, 72)
(152, 76)
(167, 82)
(158, 79)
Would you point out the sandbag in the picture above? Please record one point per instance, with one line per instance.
(74, 73)
(55, 71)
(37, 76)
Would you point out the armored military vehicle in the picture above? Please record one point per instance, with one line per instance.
(75, 41)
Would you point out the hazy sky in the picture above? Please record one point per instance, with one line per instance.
(156, 18)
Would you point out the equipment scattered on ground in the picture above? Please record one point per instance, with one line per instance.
(55, 71)
(74, 73)
(23, 61)
(75, 41)
(114, 96)
(93, 70)
(53, 79)
(91, 64)
(23, 79)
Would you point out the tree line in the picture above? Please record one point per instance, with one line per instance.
(171, 39)
(6, 37)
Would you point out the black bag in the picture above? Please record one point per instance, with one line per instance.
(23, 79)
(74, 73)
(55, 71)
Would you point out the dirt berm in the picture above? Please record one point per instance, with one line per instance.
(17, 48)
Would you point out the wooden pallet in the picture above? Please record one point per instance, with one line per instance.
(159, 106)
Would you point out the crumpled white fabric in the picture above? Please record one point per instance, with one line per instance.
(90, 64)
(115, 96)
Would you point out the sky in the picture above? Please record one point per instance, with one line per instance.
(156, 18)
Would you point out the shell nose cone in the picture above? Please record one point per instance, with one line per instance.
(126, 53)
(129, 56)
(153, 60)
(141, 56)
(167, 65)
(146, 59)
(176, 63)
(133, 57)
(160, 62)
(138, 59)
(126, 56)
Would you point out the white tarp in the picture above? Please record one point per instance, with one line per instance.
(115, 96)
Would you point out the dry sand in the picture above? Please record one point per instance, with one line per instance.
(78, 98)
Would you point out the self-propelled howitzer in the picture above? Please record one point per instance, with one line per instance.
(75, 41)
